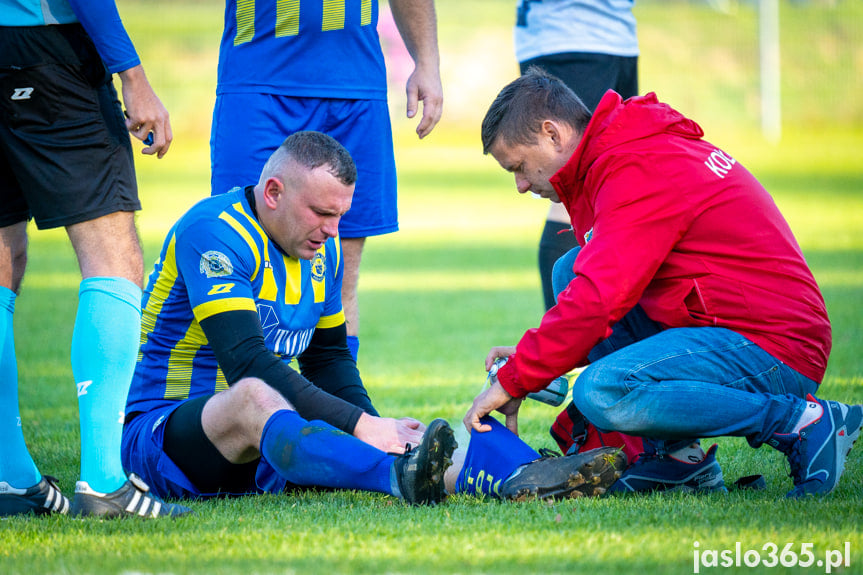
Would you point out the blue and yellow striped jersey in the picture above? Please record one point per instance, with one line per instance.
(302, 48)
(217, 258)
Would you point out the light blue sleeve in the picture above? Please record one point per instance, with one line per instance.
(102, 23)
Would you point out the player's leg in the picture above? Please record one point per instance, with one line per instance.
(363, 128)
(22, 488)
(499, 464)
(352, 252)
(251, 420)
(105, 340)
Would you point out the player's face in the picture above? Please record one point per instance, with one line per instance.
(531, 164)
(309, 212)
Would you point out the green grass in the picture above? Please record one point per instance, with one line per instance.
(459, 278)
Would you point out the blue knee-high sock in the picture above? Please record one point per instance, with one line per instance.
(491, 458)
(316, 453)
(104, 351)
(16, 466)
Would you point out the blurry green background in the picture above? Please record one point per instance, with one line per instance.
(460, 277)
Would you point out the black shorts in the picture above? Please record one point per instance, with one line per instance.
(191, 450)
(65, 152)
(591, 75)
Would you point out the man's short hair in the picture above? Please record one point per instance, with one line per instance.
(517, 114)
(312, 150)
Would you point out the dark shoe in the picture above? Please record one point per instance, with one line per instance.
(133, 499)
(651, 472)
(817, 454)
(44, 497)
(420, 471)
(578, 475)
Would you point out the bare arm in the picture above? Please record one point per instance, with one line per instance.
(417, 24)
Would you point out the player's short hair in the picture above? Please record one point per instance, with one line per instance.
(312, 150)
(518, 111)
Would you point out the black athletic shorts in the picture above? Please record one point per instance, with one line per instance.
(191, 450)
(590, 75)
(65, 152)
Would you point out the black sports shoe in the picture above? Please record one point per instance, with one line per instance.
(133, 499)
(44, 497)
(578, 475)
(420, 470)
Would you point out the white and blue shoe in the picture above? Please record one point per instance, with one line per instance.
(817, 453)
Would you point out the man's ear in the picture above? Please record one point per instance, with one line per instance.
(559, 134)
(552, 131)
(274, 189)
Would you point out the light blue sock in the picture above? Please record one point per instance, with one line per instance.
(316, 453)
(104, 351)
(491, 458)
(16, 466)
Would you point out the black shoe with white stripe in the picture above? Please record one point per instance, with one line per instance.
(133, 499)
(44, 497)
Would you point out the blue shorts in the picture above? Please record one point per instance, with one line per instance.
(247, 128)
(142, 452)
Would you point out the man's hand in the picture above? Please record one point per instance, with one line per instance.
(425, 85)
(498, 352)
(145, 112)
(417, 24)
(388, 434)
(493, 398)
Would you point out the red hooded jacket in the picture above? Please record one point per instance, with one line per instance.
(668, 220)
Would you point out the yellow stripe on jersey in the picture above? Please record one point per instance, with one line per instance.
(217, 306)
(293, 280)
(245, 22)
(178, 381)
(247, 237)
(328, 321)
(287, 18)
(269, 289)
(334, 15)
(338, 242)
(161, 289)
(366, 13)
(221, 382)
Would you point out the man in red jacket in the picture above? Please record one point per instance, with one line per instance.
(688, 295)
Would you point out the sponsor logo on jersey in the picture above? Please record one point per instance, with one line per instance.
(216, 264)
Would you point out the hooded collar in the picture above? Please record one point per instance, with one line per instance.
(614, 123)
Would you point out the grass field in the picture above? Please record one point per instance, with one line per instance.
(461, 277)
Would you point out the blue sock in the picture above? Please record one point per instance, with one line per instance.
(316, 453)
(16, 466)
(491, 458)
(354, 345)
(104, 351)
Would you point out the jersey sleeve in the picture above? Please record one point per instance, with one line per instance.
(102, 22)
(217, 267)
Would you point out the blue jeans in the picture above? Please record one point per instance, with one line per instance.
(684, 383)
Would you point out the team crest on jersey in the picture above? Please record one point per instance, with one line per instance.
(318, 267)
(216, 264)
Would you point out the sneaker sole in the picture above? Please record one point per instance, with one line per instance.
(591, 479)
